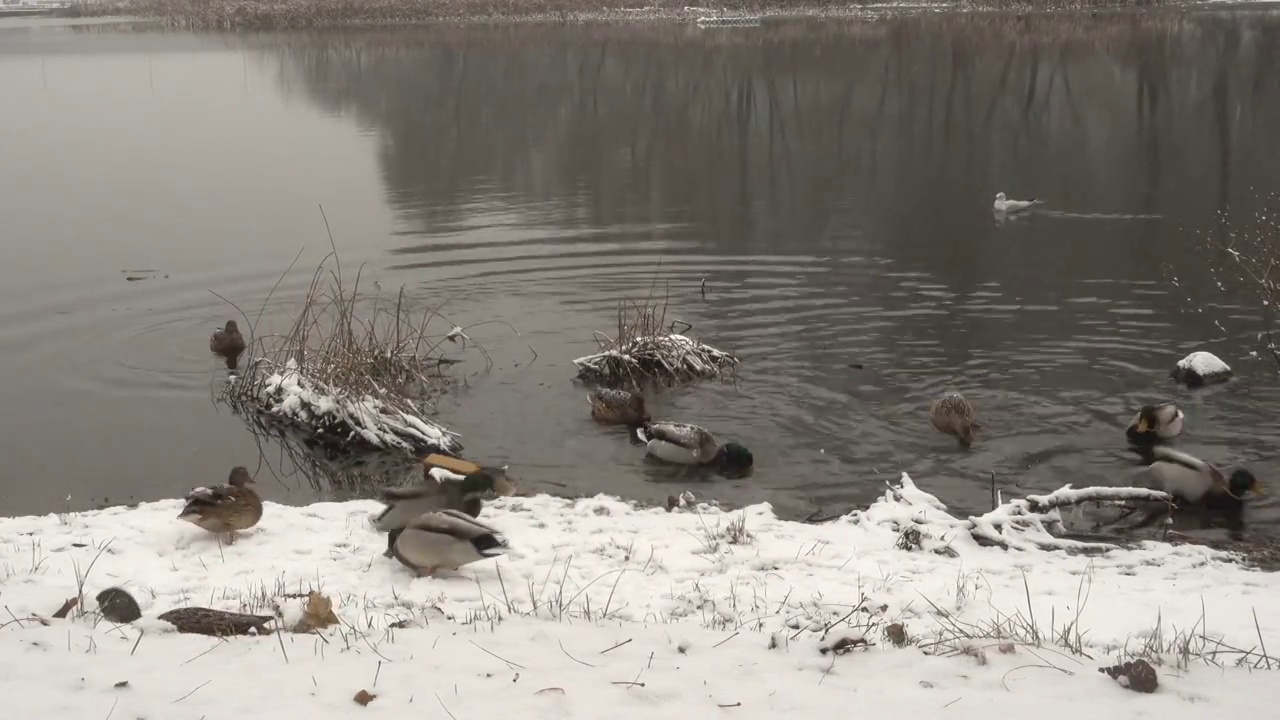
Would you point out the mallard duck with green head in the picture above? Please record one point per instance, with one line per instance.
(955, 416)
(1192, 482)
(1154, 423)
(448, 484)
(225, 509)
(446, 540)
(622, 407)
(686, 444)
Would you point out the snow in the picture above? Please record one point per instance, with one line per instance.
(441, 475)
(605, 605)
(291, 394)
(1202, 367)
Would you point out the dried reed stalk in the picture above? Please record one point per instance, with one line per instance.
(347, 388)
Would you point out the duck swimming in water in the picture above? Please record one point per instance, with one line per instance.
(1192, 482)
(1154, 423)
(954, 415)
(617, 406)
(227, 342)
(687, 444)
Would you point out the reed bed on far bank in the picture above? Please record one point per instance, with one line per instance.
(283, 14)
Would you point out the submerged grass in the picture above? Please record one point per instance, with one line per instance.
(280, 14)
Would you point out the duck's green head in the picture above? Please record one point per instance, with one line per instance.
(735, 459)
(1243, 481)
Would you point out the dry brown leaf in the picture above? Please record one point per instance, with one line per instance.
(897, 634)
(319, 613)
(364, 697)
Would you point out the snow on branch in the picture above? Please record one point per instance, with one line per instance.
(1019, 524)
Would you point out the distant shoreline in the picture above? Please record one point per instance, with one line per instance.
(314, 14)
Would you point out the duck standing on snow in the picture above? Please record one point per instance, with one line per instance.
(228, 343)
(446, 540)
(617, 406)
(953, 415)
(442, 489)
(1192, 481)
(1154, 423)
(1003, 205)
(225, 509)
(687, 444)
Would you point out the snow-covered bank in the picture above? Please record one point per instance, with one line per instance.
(692, 603)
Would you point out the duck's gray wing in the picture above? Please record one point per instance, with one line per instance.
(683, 434)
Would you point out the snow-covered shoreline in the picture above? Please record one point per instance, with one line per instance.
(695, 602)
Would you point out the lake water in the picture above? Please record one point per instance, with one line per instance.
(833, 182)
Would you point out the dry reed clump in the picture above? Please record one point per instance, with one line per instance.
(648, 350)
(280, 14)
(346, 389)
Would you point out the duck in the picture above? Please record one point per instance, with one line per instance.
(1155, 422)
(954, 415)
(225, 509)
(686, 444)
(617, 406)
(118, 606)
(441, 489)
(1192, 480)
(227, 342)
(446, 540)
(1005, 205)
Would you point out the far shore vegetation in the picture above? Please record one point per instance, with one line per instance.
(283, 14)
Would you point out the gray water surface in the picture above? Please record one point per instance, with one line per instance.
(833, 181)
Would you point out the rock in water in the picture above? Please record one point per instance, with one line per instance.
(1137, 675)
(1201, 368)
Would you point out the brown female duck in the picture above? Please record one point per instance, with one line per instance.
(227, 343)
(953, 415)
(617, 406)
(225, 509)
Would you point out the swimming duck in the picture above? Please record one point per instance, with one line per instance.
(1194, 482)
(952, 414)
(1004, 205)
(225, 509)
(442, 489)
(687, 444)
(118, 606)
(227, 342)
(617, 406)
(447, 539)
(1155, 422)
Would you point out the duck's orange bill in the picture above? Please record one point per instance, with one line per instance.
(452, 464)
